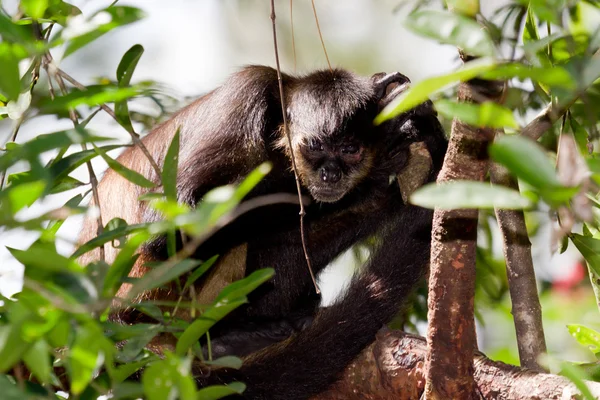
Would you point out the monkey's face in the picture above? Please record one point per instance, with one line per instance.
(330, 169)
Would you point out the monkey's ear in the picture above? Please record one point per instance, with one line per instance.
(388, 86)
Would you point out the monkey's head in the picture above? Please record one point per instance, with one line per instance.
(331, 125)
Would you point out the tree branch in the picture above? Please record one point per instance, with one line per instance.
(393, 368)
(451, 333)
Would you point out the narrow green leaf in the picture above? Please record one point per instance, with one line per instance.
(449, 28)
(12, 346)
(124, 72)
(226, 362)
(123, 263)
(578, 377)
(198, 272)
(108, 237)
(421, 91)
(100, 23)
(530, 33)
(487, 114)
(164, 273)
(94, 95)
(43, 143)
(243, 287)
(230, 298)
(169, 172)
(129, 174)
(218, 392)
(468, 194)
(551, 75)
(202, 324)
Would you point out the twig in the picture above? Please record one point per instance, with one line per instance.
(292, 28)
(526, 308)
(52, 74)
(13, 137)
(289, 139)
(135, 137)
(320, 34)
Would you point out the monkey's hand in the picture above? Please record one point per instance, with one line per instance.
(417, 171)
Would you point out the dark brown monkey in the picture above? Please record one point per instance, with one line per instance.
(347, 166)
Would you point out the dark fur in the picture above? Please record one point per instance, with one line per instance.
(293, 350)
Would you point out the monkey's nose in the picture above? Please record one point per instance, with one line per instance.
(331, 174)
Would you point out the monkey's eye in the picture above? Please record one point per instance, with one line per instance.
(315, 145)
(350, 148)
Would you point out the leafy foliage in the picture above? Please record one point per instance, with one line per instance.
(57, 326)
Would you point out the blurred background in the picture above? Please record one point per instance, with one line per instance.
(191, 46)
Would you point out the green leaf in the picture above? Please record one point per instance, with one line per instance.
(45, 257)
(43, 143)
(124, 72)
(530, 33)
(525, 159)
(218, 392)
(63, 167)
(12, 32)
(202, 324)
(585, 336)
(468, 194)
(487, 114)
(550, 76)
(94, 95)
(162, 274)
(108, 236)
(37, 359)
(589, 249)
(123, 263)
(129, 174)
(12, 345)
(87, 354)
(421, 91)
(470, 8)
(59, 11)
(243, 287)
(34, 8)
(169, 379)
(67, 183)
(226, 362)
(198, 272)
(169, 172)
(10, 84)
(100, 23)
(14, 198)
(449, 28)
(578, 377)
(230, 298)
(10, 391)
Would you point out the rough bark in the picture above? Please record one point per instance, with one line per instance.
(393, 368)
(451, 334)
(526, 308)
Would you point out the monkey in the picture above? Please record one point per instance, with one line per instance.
(347, 168)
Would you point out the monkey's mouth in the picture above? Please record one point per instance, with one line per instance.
(327, 195)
